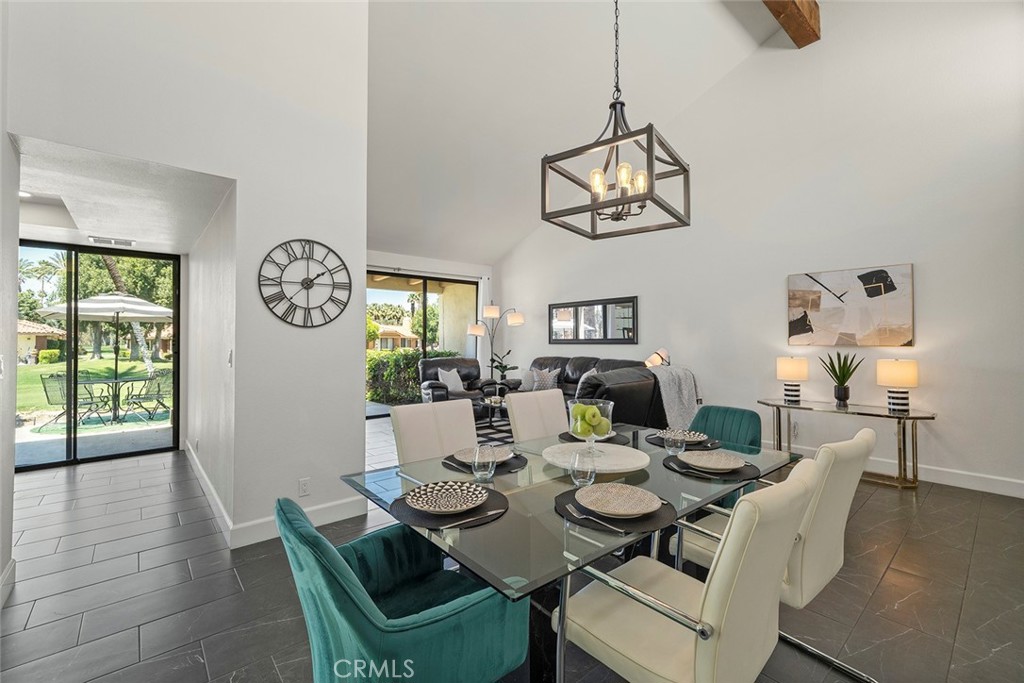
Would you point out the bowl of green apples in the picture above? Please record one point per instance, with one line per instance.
(590, 419)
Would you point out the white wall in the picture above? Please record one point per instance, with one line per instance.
(9, 177)
(272, 95)
(210, 343)
(897, 138)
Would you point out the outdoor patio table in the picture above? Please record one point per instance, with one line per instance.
(531, 546)
(113, 390)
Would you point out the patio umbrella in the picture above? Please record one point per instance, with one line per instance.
(114, 308)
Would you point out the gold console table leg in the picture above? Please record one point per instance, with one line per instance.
(903, 479)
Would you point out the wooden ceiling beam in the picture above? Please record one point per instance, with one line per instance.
(800, 19)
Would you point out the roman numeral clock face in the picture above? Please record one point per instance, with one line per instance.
(305, 283)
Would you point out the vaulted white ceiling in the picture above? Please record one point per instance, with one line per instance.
(465, 99)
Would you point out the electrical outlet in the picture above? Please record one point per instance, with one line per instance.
(303, 487)
(796, 429)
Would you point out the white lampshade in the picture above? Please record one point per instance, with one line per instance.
(477, 330)
(492, 311)
(659, 357)
(790, 369)
(901, 374)
(515, 319)
(563, 315)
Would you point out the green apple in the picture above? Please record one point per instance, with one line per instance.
(578, 410)
(582, 428)
(603, 427)
(593, 415)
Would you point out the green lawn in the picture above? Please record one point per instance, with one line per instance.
(30, 388)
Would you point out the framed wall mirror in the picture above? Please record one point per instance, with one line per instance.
(600, 321)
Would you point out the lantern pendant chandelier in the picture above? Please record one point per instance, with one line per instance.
(609, 199)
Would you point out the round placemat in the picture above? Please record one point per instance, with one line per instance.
(513, 464)
(496, 500)
(620, 439)
(709, 445)
(747, 472)
(659, 519)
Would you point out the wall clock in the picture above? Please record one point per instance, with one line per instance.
(305, 283)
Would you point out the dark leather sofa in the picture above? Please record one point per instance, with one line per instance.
(473, 387)
(572, 370)
(635, 393)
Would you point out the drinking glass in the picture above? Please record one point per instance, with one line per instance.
(582, 469)
(674, 443)
(484, 463)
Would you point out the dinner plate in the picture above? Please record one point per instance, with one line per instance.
(712, 461)
(501, 454)
(610, 459)
(446, 497)
(596, 438)
(690, 437)
(618, 500)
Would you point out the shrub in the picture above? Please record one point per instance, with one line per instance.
(48, 356)
(392, 377)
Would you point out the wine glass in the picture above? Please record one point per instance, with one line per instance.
(582, 468)
(484, 463)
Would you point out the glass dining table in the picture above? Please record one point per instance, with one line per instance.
(531, 545)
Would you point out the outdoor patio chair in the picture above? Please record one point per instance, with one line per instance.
(54, 387)
(156, 390)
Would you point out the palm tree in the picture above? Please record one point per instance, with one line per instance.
(25, 271)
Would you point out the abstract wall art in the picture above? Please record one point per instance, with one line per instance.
(858, 307)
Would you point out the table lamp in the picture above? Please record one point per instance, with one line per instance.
(791, 370)
(899, 376)
(659, 357)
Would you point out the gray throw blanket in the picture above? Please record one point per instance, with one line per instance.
(679, 394)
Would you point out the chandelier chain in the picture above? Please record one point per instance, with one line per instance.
(617, 92)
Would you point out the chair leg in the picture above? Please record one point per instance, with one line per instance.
(835, 663)
(54, 419)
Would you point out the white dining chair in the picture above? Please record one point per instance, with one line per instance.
(537, 414)
(650, 623)
(433, 430)
(818, 554)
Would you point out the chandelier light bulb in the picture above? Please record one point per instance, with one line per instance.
(640, 182)
(624, 173)
(598, 186)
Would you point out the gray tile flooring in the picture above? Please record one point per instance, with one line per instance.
(122, 577)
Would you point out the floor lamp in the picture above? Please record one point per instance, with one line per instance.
(487, 325)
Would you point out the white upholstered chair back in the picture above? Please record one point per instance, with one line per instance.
(818, 555)
(433, 430)
(536, 414)
(741, 596)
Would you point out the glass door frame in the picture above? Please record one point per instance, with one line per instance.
(71, 350)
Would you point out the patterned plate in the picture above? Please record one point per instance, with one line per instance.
(596, 438)
(712, 461)
(688, 436)
(446, 497)
(501, 454)
(618, 500)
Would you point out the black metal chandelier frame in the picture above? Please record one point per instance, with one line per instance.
(661, 162)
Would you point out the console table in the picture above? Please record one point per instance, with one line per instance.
(904, 478)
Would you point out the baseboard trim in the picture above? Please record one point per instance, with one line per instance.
(7, 580)
(975, 481)
(223, 519)
(265, 528)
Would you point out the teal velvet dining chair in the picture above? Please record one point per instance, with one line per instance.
(736, 426)
(385, 600)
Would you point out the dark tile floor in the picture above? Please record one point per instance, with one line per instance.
(123, 577)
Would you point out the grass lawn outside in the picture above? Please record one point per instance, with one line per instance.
(32, 398)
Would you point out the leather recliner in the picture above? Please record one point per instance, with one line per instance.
(572, 369)
(473, 387)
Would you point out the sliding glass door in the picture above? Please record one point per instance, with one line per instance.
(102, 380)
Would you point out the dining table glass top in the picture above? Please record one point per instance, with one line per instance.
(531, 544)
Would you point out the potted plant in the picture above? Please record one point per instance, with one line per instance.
(499, 364)
(841, 369)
